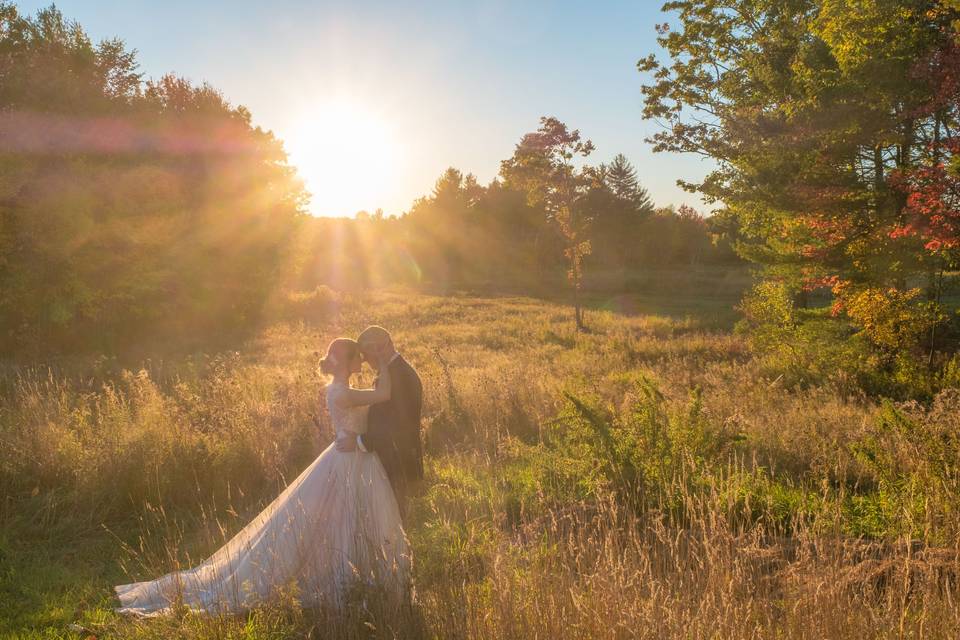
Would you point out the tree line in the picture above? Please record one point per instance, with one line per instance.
(514, 234)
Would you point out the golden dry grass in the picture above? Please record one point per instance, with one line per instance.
(643, 480)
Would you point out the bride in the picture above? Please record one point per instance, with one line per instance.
(336, 526)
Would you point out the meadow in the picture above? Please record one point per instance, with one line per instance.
(650, 477)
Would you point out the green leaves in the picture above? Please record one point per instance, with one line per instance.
(811, 109)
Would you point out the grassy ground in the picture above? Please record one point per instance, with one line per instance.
(649, 478)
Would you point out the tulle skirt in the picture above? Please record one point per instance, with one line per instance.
(334, 528)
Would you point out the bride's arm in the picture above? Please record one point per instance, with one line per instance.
(361, 397)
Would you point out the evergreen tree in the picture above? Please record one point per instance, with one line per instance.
(621, 177)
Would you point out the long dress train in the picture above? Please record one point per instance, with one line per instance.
(337, 525)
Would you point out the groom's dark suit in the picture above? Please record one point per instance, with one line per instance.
(393, 428)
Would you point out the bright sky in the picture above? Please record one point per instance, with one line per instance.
(374, 99)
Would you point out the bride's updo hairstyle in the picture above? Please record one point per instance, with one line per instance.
(340, 351)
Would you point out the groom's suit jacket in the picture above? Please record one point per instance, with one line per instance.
(393, 426)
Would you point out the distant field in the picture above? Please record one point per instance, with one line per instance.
(707, 293)
(648, 478)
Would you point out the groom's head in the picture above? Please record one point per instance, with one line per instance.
(374, 343)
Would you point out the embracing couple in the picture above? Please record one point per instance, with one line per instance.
(338, 525)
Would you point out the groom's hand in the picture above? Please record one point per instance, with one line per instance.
(347, 443)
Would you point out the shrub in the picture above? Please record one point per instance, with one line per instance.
(894, 321)
(644, 453)
(910, 455)
(877, 346)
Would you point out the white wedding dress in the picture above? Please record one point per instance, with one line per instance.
(335, 527)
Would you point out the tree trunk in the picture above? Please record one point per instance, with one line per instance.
(878, 169)
(575, 284)
(933, 327)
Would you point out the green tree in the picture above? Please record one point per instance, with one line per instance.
(621, 177)
(130, 211)
(618, 207)
(809, 109)
(542, 167)
(440, 227)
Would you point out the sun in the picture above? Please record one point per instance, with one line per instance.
(346, 155)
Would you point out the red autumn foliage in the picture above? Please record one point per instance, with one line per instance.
(812, 283)
(825, 233)
(932, 211)
(941, 70)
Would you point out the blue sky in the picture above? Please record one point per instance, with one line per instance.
(447, 83)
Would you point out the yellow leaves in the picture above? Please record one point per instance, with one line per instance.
(892, 318)
(769, 305)
(858, 30)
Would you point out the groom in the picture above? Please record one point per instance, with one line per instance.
(393, 426)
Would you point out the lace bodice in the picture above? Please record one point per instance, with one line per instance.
(352, 419)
